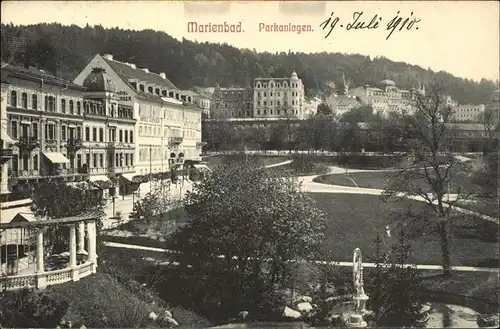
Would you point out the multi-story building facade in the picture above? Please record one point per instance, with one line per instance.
(388, 98)
(467, 112)
(342, 104)
(278, 97)
(168, 123)
(6, 141)
(45, 114)
(201, 100)
(231, 103)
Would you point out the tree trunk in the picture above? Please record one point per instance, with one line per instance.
(445, 248)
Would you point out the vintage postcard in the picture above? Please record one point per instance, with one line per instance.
(249, 164)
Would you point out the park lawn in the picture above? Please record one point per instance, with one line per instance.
(380, 179)
(354, 221)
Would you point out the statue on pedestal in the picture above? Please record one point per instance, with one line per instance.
(360, 297)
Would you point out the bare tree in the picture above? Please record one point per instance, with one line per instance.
(489, 119)
(427, 174)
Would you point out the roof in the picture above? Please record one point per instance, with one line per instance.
(190, 93)
(32, 73)
(98, 80)
(127, 72)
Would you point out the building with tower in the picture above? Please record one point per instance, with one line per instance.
(167, 126)
(278, 97)
(387, 97)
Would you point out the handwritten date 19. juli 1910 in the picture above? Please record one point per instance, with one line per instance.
(359, 22)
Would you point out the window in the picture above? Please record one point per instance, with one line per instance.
(13, 98)
(117, 160)
(95, 160)
(101, 160)
(71, 109)
(87, 133)
(101, 135)
(24, 130)
(78, 160)
(63, 133)
(13, 129)
(34, 102)
(126, 136)
(24, 100)
(131, 159)
(35, 162)
(126, 160)
(78, 108)
(131, 136)
(79, 132)
(51, 132)
(35, 130)
(94, 134)
(120, 136)
(63, 105)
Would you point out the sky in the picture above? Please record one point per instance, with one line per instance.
(460, 37)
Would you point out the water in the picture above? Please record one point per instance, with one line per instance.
(451, 316)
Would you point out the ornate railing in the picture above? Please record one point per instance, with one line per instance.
(27, 144)
(14, 282)
(199, 145)
(74, 144)
(174, 141)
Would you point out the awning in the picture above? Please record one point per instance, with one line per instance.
(129, 177)
(101, 178)
(56, 157)
(7, 215)
(201, 167)
(102, 182)
(5, 137)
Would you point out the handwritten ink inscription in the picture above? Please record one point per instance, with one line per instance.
(360, 21)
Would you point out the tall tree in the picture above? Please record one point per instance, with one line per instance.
(428, 173)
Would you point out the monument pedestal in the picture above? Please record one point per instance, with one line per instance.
(356, 321)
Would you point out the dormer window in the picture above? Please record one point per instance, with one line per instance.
(171, 94)
(150, 89)
(157, 91)
(164, 93)
(141, 87)
(134, 85)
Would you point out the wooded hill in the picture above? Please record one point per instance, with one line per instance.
(65, 50)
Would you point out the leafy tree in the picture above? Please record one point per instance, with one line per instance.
(486, 177)
(324, 108)
(58, 200)
(153, 204)
(397, 294)
(257, 221)
(428, 173)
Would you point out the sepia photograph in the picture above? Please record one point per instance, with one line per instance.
(250, 164)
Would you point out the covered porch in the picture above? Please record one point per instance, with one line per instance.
(37, 253)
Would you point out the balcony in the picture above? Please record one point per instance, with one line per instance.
(122, 170)
(73, 145)
(32, 174)
(7, 154)
(27, 144)
(200, 145)
(175, 141)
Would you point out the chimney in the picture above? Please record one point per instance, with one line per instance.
(108, 56)
(146, 70)
(163, 75)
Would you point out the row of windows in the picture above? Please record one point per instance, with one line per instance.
(161, 92)
(277, 94)
(277, 85)
(278, 112)
(152, 153)
(278, 103)
(124, 136)
(70, 107)
(27, 129)
(247, 105)
(96, 160)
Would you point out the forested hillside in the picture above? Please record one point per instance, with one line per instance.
(65, 50)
